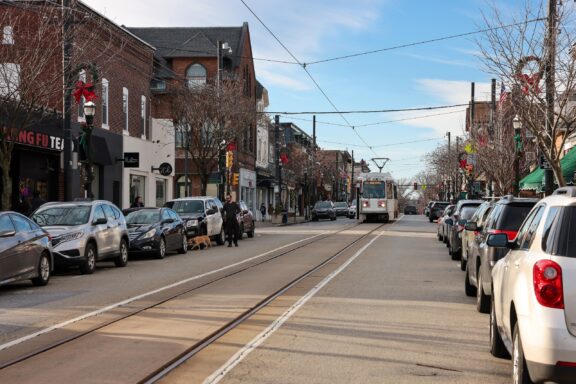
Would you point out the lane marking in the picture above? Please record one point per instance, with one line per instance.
(132, 299)
(264, 335)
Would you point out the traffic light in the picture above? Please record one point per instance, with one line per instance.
(415, 185)
(229, 159)
(235, 179)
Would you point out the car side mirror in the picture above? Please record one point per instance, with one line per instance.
(101, 220)
(449, 222)
(462, 222)
(167, 221)
(245, 212)
(497, 240)
(7, 233)
(471, 226)
(211, 211)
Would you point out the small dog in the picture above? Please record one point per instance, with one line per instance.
(199, 242)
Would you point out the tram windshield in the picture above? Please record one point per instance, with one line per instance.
(374, 190)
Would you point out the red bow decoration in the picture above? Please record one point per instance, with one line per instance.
(284, 158)
(530, 82)
(463, 163)
(85, 90)
(231, 146)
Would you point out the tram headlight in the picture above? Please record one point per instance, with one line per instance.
(365, 204)
(381, 204)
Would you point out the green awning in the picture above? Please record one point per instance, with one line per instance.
(535, 180)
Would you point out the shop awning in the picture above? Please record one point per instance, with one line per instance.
(535, 180)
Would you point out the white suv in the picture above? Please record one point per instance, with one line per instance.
(202, 215)
(533, 315)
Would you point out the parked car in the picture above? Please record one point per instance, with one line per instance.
(25, 250)
(427, 208)
(202, 215)
(352, 210)
(437, 209)
(464, 211)
(506, 217)
(323, 210)
(410, 210)
(246, 220)
(468, 235)
(441, 226)
(84, 232)
(533, 306)
(341, 208)
(156, 231)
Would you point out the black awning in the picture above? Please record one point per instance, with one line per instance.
(100, 151)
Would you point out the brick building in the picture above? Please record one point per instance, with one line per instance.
(194, 55)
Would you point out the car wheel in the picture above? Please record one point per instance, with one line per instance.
(468, 288)
(241, 233)
(497, 347)
(463, 263)
(482, 300)
(161, 253)
(439, 237)
(89, 264)
(455, 255)
(220, 237)
(184, 248)
(122, 259)
(43, 271)
(251, 233)
(519, 368)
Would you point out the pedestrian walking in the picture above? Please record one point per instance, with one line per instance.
(263, 211)
(137, 202)
(231, 226)
(37, 201)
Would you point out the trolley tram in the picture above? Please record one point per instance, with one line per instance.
(377, 197)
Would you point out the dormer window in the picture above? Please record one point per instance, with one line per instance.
(196, 75)
(7, 35)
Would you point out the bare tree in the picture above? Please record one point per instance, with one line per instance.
(208, 117)
(522, 49)
(31, 67)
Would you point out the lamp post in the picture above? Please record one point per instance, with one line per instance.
(517, 124)
(305, 195)
(89, 112)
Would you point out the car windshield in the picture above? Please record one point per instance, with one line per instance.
(440, 206)
(373, 190)
(63, 215)
(186, 206)
(340, 204)
(468, 211)
(513, 216)
(323, 204)
(143, 217)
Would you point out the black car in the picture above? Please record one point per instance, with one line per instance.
(437, 209)
(25, 250)
(341, 208)
(323, 210)
(410, 210)
(156, 231)
(506, 217)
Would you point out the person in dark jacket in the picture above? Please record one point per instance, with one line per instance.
(231, 226)
(137, 202)
(37, 201)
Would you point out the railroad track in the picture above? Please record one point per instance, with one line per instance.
(187, 289)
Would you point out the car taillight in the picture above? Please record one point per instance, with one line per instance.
(566, 364)
(547, 278)
(381, 204)
(511, 234)
(365, 204)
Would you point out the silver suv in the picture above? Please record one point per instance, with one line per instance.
(84, 232)
(202, 215)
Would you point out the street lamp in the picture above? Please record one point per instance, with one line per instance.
(517, 124)
(89, 112)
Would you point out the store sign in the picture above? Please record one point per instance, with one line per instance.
(165, 169)
(131, 159)
(40, 140)
(544, 164)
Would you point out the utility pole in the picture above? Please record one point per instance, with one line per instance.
(472, 128)
(449, 166)
(67, 95)
(352, 182)
(492, 124)
(277, 155)
(550, 88)
(314, 197)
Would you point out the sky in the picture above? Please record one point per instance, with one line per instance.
(426, 75)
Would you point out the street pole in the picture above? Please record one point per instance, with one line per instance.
(352, 183)
(186, 148)
(277, 155)
(67, 95)
(314, 182)
(449, 165)
(550, 88)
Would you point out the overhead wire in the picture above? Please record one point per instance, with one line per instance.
(367, 111)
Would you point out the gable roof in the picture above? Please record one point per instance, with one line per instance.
(193, 41)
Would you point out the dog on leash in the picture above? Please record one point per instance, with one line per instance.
(199, 242)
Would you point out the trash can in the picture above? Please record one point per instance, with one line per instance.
(284, 216)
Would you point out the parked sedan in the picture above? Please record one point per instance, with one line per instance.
(246, 220)
(410, 210)
(437, 209)
(156, 231)
(441, 226)
(464, 211)
(25, 250)
(323, 210)
(533, 306)
(341, 208)
(470, 233)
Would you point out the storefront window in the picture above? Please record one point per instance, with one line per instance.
(181, 185)
(137, 188)
(160, 192)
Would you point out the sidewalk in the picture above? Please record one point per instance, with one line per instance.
(291, 221)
